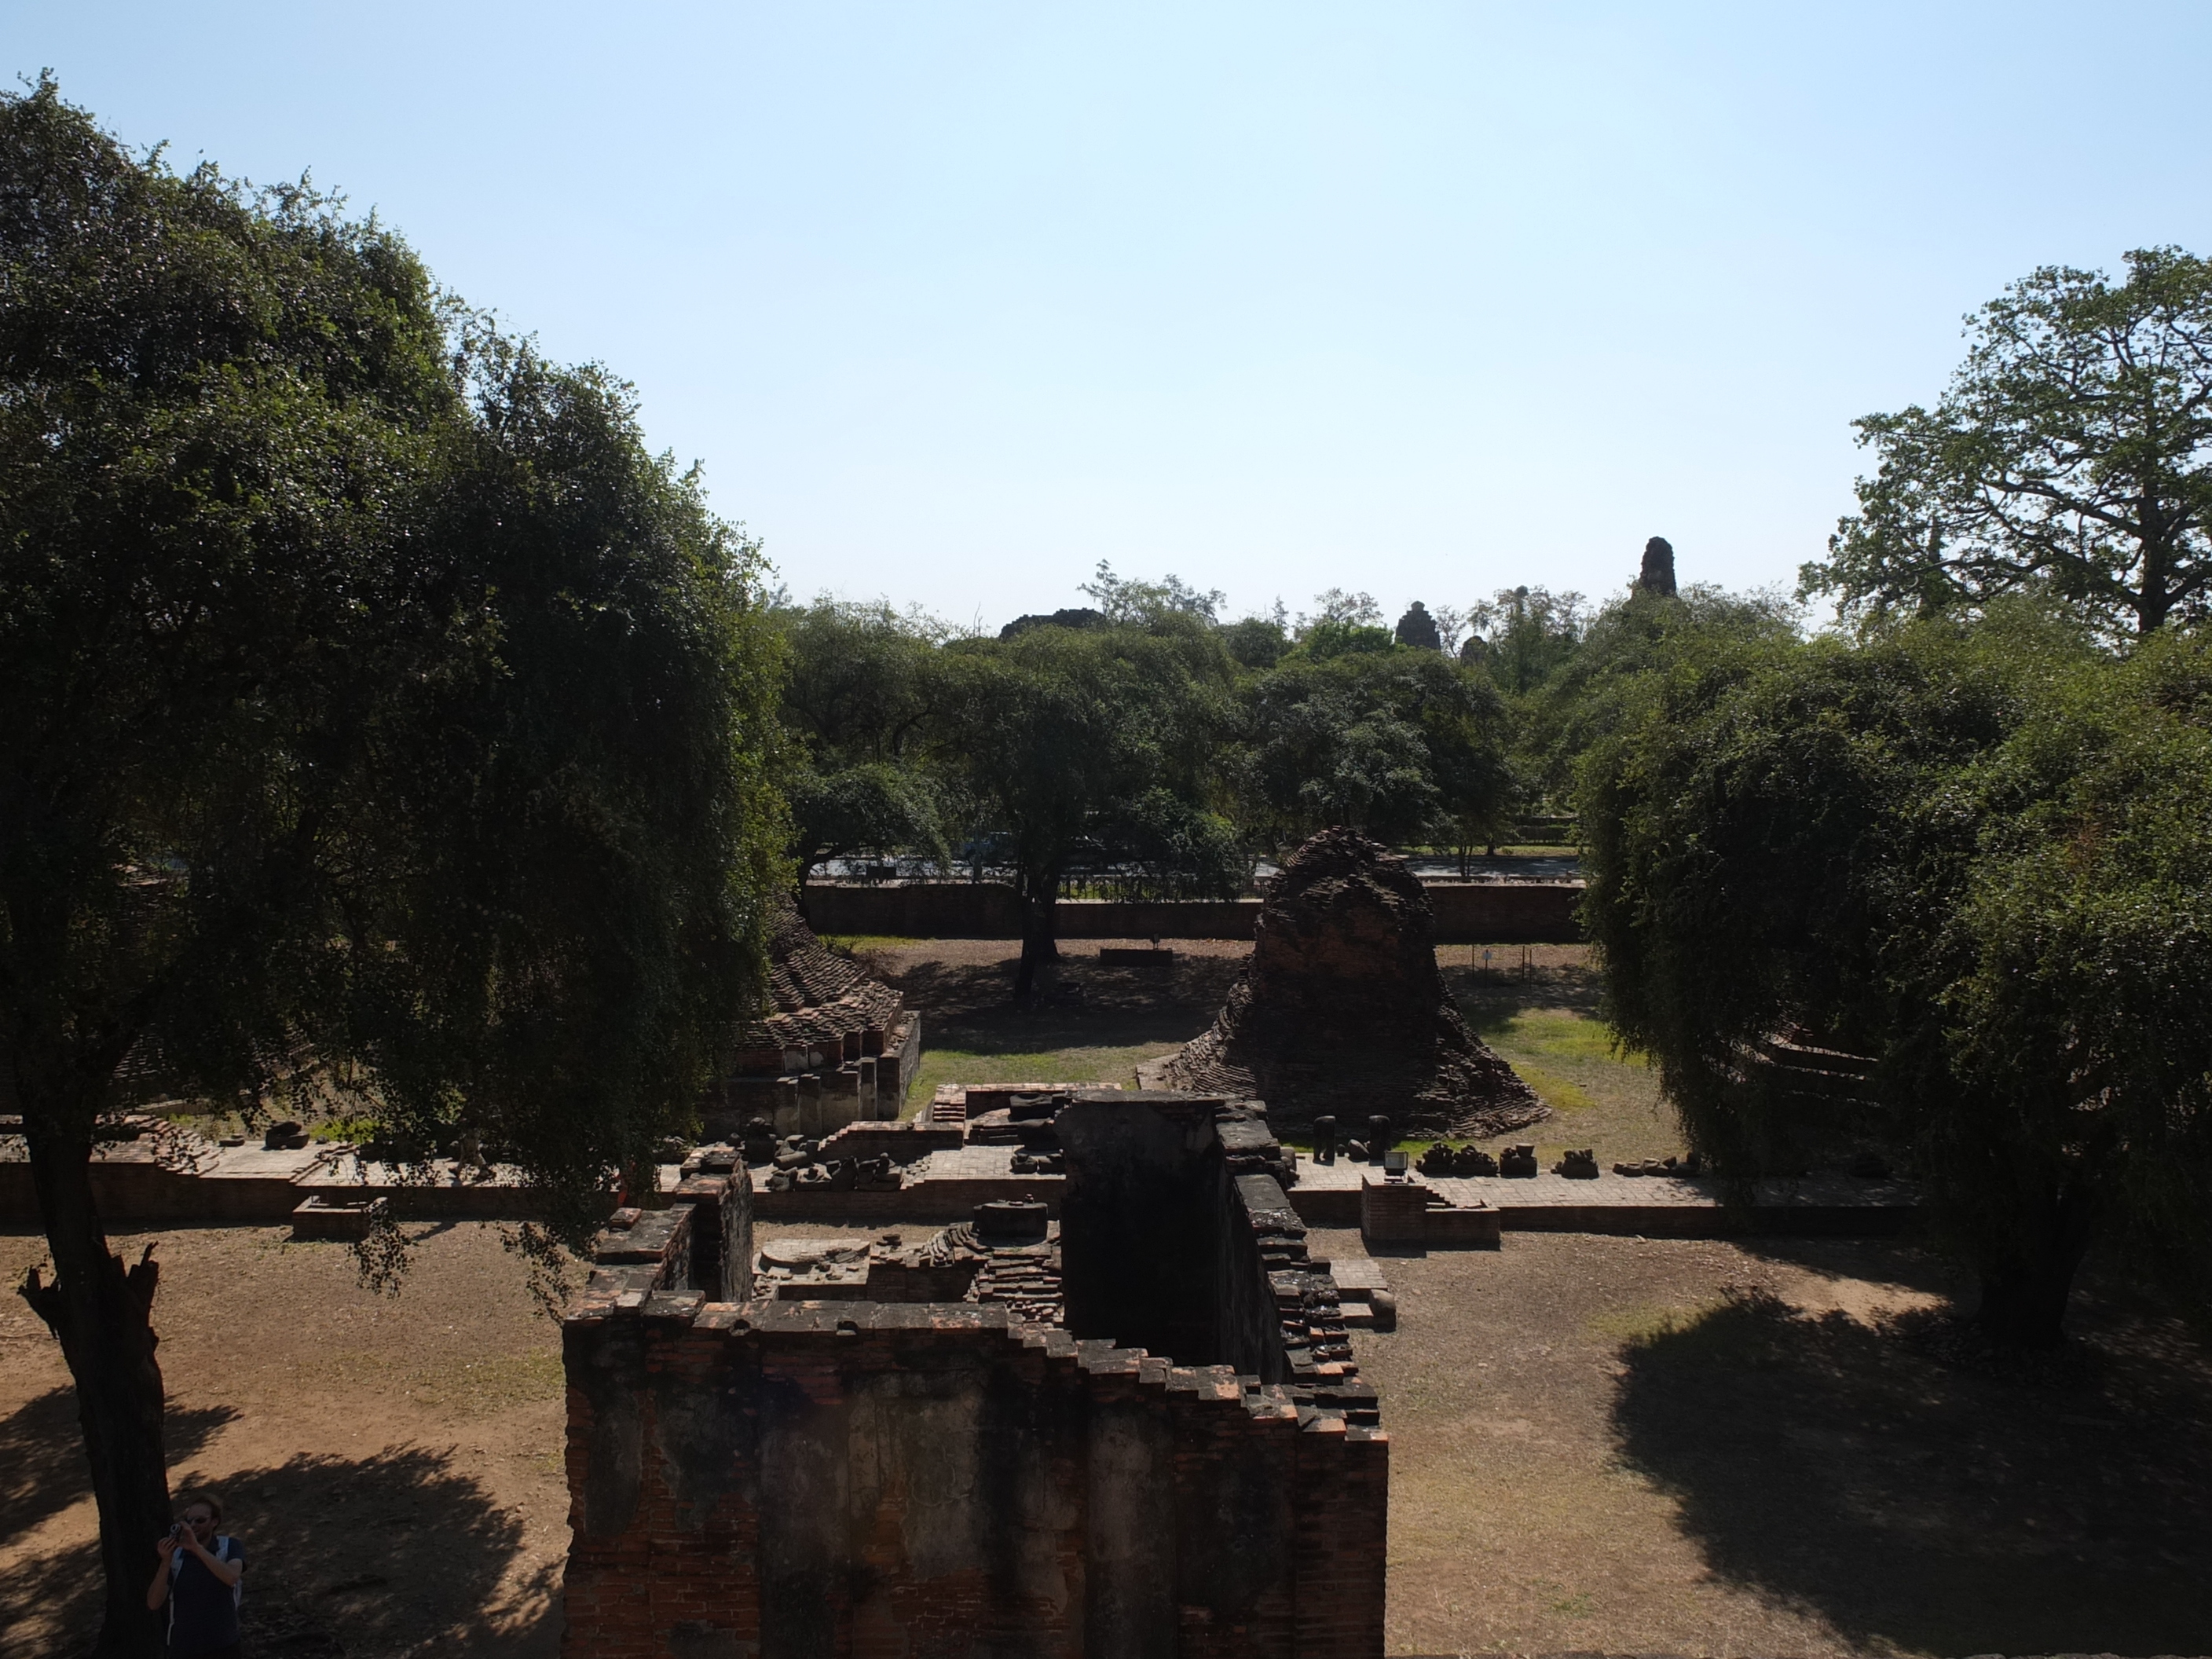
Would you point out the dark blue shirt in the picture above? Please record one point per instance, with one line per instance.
(203, 1617)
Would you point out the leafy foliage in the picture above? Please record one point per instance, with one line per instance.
(864, 692)
(1090, 749)
(1257, 642)
(869, 808)
(1975, 854)
(1126, 602)
(379, 713)
(1587, 692)
(1329, 639)
(1401, 744)
(2072, 456)
(1525, 635)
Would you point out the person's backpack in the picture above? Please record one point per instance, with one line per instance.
(223, 1546)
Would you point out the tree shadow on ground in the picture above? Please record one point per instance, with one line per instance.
(969, 1006)
(1907, 1264)
(1489, 998)
(398, 1552)
(1914, 1491)
(42, 1463)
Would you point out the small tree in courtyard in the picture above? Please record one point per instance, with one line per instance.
(1091, 750)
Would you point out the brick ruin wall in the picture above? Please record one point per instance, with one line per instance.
(830, 1046)
(769, 1478)
(700, 1239)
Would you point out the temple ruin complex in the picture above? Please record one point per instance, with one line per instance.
(1134, 1428)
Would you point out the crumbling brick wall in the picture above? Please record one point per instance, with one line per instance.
(781, 1479)
(793, 1478)
(1177, 1235)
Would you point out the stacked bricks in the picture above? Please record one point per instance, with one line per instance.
(640, 1252)
(1405, 1211)
(830, 1047)
(796, 1477)
(720, 1192)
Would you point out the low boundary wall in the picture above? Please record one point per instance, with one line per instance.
(1467, 912)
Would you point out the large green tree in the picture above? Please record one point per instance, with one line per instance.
(864, 693)
(1585, 692)
(373, 709)
(1524, 637)
(1399, 742)
(1089, 752)
(1975, 855)
(2071, 456)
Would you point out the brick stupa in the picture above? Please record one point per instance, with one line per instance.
(830, 1045)
(1342, 1011)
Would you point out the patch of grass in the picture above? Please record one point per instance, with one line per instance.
(857, 944)
(480, 1386)
(1112, 1064)
(1557, 1034)
(1603, 1100)
(1644, 1323)
(466, 1387)
(1556, 1092)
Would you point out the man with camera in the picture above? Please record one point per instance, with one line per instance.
(198, 1578)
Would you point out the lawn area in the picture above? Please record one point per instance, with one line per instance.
(1564, 1053)
(1599, 1444)
(1539, 1011)
(1628, 1445)
(1092, 1027)
(1107, 1063)
(393, 1465)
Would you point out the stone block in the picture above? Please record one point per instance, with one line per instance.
(320, 1218)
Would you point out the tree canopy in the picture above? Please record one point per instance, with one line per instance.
(2072, 456)
(379, 717)
(1522, 636)
(1090, 751)
(899, 726)
(1400, 743)
(1973, 854)
(863, 692)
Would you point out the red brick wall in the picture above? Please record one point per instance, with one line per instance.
(1477, 913)
(780, 1479)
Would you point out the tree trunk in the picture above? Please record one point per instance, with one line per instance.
(100, 1312)
(2023, 1292)
(1040, 945)
(2155, 596)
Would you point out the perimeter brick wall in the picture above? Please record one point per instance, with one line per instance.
(1467, 912)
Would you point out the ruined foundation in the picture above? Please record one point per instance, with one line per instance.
(1342, 1011)
(834, 1046)
(1141, 1433)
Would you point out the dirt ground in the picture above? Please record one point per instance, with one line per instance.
(1598, 1445)
(392, 1465)
(1630, 1445)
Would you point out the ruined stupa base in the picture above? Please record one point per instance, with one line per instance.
(1342, 1011)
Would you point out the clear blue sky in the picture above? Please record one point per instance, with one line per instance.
(955, 300)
